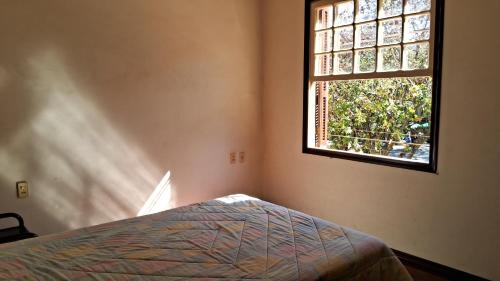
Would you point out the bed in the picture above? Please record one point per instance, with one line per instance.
(231, 238)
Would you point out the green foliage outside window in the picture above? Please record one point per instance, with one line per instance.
(372, 116)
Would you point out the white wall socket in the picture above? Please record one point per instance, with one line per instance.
(22, 189)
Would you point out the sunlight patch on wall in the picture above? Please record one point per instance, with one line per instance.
(160, 199)
(82, 171)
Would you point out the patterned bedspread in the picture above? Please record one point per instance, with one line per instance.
(231, 238)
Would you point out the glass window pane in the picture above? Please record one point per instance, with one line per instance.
(324, 17)
(343, 63)
(366, 35)
(415, 6)
(365, 60)
(391, 8)
(387, 117)
(390, 31)
(418, 27)
(344, 13)
(389, 58)
(416, 56)
(344, 38)
(367, 10)
(323, 41)
(323, 65)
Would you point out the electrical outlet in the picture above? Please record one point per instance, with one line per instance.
(232, 157)
(241, 156)
(22, 189)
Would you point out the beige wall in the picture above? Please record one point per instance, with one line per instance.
(100, 99)
(451, 217)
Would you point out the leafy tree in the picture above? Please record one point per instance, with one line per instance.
(371, 116)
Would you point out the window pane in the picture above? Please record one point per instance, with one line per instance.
(417, 28)
(324, 17)
(369, 96)
(416, 56)
(344, 38)
(323, 65)
(343, 63)
(391, 8)
(367, 10)
(384, 117)
(323, 41)
(389, 58)
(344, 13)
(365, 60)
(415, 6)
(366, 35)
(390, 31)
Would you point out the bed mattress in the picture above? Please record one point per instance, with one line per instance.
(230, 238)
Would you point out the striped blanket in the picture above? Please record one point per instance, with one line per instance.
(230, 238)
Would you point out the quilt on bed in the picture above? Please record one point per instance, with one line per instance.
(231, 238)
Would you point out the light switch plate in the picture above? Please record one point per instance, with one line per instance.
(22, 189)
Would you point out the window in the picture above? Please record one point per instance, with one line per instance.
(372, 80)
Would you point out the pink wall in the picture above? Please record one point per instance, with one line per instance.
(100, 99)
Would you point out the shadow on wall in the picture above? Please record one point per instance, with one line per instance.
(77, 161)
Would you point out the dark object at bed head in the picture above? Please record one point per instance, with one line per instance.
(15, 233)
